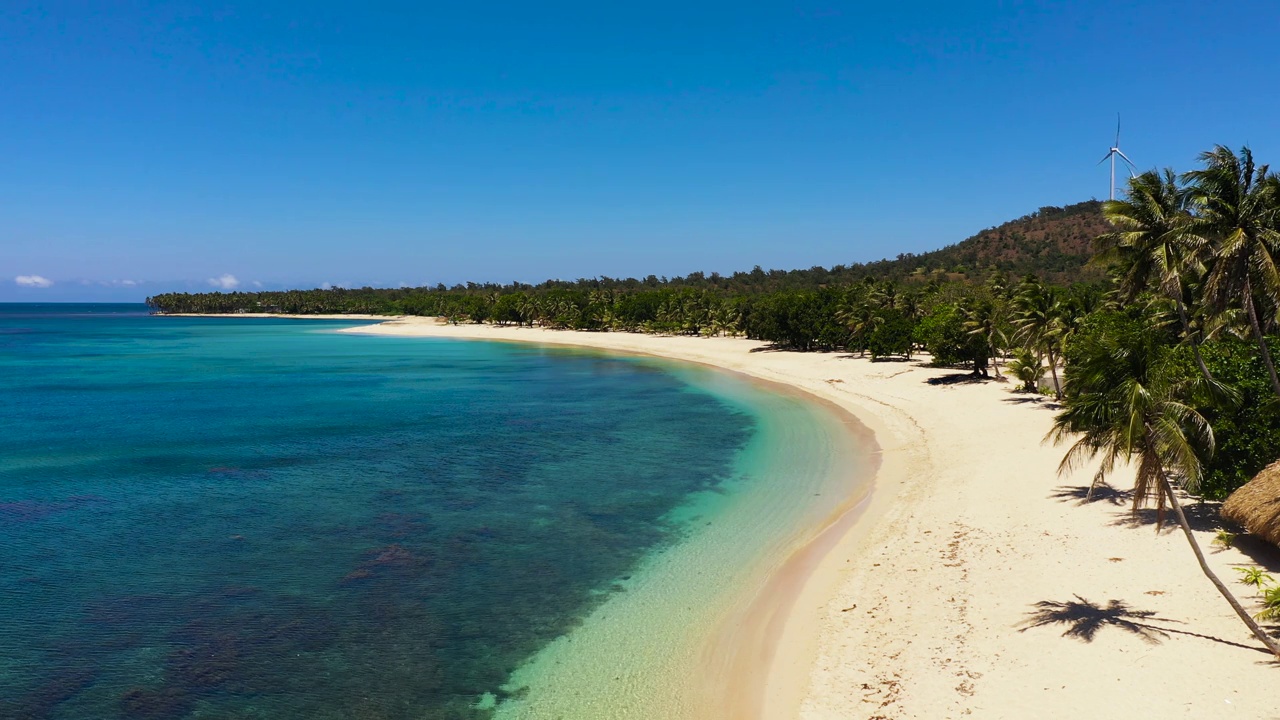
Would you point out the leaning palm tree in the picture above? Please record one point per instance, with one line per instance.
(1154, 245)
(1120, 407)
(1239, 210)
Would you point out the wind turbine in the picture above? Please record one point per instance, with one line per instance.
(1111, 154)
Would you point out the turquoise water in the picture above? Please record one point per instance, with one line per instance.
(265, 519)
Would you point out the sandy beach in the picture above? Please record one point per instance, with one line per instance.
(974, 582)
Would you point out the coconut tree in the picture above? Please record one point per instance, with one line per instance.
(1239, 210)
(886, 295)
(1038, 316)
(1026, 369)
(984, 318)
(998, 285)
(1154, 246)
(1121, 408)
(857, 314)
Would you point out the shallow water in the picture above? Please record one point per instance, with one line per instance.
(262, 518)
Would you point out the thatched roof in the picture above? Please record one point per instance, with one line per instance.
(1256, 505)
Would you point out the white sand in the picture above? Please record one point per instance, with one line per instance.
(918, 610)
(349, 316)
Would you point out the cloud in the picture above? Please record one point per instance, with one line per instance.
(257, 283)
(33, 281)
(226, 281)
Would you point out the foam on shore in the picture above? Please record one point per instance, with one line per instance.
(650, 650)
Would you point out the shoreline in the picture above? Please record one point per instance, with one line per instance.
(759, 673)
(762, 673)
(927, 606)
(739, 672)
(922, 608)
(285, 316)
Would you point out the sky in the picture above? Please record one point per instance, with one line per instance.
(148, 147)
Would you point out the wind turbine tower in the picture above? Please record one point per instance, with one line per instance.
(1111, 155)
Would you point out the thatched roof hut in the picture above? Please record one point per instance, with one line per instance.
(1256, 505)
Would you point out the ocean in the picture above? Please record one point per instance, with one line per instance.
(264, 518)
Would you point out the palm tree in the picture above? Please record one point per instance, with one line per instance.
(885, 296)
(857, 314)
(984, 319)
(998, 285)
(1153, 246)
(1038, 317)
(1120, 407)
(1239, 206)
(1026, 369)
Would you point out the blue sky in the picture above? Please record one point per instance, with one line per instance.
(157, 146)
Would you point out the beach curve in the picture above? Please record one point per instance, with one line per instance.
(922, 607)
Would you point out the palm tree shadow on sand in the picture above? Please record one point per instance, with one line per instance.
(1201, 516)
(1083, 494)
(1039, 401)
(959, 378)
(1084, 619)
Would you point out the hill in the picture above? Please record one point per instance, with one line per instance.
(1053, 242)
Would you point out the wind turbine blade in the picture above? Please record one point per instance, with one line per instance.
(1126, 159)
(1117, 130)
(1106, 157)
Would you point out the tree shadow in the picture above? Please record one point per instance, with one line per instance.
(845, 355)
(1262, 553)
(778, 347)
(1037, 400)
(958, 379)
(771, 347)
(1101, 493)
(1201, 516)
(1084, 619)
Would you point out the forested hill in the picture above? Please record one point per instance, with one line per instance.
(1052, 242)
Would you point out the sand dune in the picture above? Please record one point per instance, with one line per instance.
(928, 606)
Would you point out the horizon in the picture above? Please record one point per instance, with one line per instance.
(163, 148)
(197, 288)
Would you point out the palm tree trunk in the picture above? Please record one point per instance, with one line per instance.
(995, 361)
(1053, 369)
(1252, 624)
(1257, 334)
(1195, 341)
